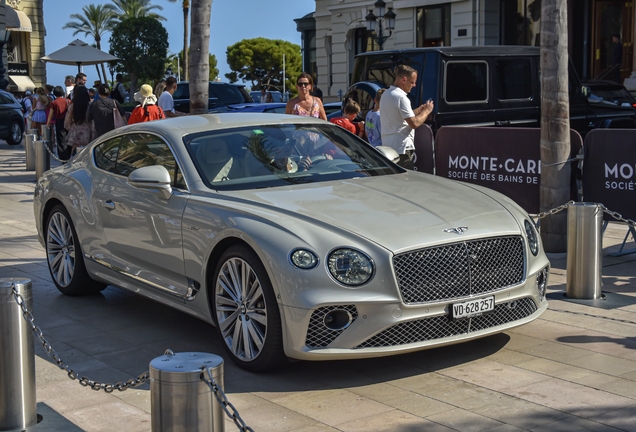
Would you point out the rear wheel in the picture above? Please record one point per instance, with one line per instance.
(246, 311)
(64, 256)
(15, 134)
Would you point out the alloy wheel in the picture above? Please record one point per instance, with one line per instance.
(16, 132)
(241, 310)
(60, 249)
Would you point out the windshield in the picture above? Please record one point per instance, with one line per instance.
(279, 155)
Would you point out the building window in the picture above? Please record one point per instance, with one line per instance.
(520, 22)
(433, 26)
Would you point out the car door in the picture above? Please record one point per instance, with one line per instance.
(142, 229)
(7, 114)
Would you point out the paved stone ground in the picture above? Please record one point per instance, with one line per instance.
(572, 369)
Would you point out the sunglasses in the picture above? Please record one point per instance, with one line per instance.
(303, 84)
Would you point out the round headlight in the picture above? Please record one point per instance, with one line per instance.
(533, 239)
(303, 259)
(350, 267)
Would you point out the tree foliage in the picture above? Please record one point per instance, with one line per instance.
(95, 21)
(142, 45)
(124, 9)
(260, 61)
(173, 64)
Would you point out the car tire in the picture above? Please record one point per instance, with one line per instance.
(64, 256)
(15, 133)
(249, 323)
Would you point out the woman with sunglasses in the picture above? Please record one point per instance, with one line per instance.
(305, 104)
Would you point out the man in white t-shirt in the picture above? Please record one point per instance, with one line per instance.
(166, 103)
(398, 120)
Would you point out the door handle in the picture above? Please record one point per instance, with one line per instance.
(109, 205)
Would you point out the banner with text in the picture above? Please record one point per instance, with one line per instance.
(504, 159)
(609, 170)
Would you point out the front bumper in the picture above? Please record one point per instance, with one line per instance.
(385, 328)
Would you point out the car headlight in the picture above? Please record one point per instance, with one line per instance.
(350, 267)
(533, 239)
(303, 259)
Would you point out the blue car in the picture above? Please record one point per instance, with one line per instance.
(272, 107)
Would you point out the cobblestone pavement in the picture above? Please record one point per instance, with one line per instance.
(572, 369)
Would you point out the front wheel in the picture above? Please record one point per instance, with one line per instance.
(246, 311)
(15, 133)
(64, 256)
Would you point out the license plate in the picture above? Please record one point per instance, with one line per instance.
(473, 307)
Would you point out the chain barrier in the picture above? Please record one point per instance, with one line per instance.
(576, 158)
(554, 210)
(94, 385)
(225, 403)
(53, 155)
(618, 216)
(613, 214)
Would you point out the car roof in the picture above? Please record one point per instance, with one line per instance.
(216, 83)
(488, 50)
(179, 126)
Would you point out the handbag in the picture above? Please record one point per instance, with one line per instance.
(118, 119)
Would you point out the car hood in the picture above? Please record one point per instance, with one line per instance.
(396, 211)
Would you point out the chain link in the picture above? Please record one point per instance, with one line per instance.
(618, 216)
(95, 385)
(53, 155)
(554, 210)
(226, 404)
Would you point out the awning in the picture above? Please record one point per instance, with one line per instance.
(17, 20)
(23, 83)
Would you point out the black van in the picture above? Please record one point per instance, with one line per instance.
(480, 86)
(220, 95)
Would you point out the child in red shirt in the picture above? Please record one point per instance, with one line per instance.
(351, 111)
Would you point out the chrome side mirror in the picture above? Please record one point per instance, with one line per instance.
(152, 177)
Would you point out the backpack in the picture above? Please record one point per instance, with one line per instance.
(23, 105)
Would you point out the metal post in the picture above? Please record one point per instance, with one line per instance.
(18, 405)
(585, 243)
(46, 136)
(30, 151)
(42, 159)
(180, 401)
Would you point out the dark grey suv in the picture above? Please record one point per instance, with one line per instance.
(11, 119)
(220, 95)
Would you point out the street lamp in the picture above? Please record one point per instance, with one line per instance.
(379, 18)
(4, 38)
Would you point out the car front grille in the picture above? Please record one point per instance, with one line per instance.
(318, 334)
(441, 327)
(459, 269)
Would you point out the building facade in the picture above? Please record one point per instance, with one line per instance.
(22, 52)
(340, 32)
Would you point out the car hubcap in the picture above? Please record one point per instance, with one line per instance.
(60, 249)
(240, 309)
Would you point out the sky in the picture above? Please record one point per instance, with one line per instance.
(231, 22)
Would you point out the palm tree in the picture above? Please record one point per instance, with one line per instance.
(555, 122)
(123, 9)
(185, 4)
(96, 20)
(199, 54)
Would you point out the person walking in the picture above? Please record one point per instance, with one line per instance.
(305, 104)
(57, 115)
(398, 119)
(147, 110)
(159, 88)
(119, 92)
(372, 121)
(165, 100)
(42, 102)
(78, 127)
(101, 111)
(69, 84)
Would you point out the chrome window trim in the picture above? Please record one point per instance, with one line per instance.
(140, 132)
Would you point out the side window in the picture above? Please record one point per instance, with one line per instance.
(4, 100)
(466, 82)
(182, 91)
(141, 150)
(513, 79)
(106, 155)
(364, 99)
